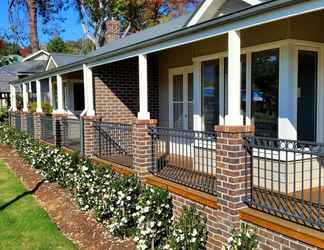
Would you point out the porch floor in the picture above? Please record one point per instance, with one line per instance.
(181, 170)
(121, 159)
(306, 208)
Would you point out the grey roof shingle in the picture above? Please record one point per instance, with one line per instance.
(25, 67)
(144, 35)
(10, 72)
(63, 59)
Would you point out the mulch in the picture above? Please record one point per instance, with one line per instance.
(78, 226)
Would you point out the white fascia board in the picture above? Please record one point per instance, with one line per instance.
(34, 55)
(205, 9)
(200, 12)
(252, 2)
(244, 23)
(51, 59)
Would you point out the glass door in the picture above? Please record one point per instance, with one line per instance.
(182, 100)
(210, 94)
(307, 95)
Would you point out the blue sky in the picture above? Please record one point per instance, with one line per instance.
(72, 27)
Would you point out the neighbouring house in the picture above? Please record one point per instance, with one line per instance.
(224, 107)
(37, 63)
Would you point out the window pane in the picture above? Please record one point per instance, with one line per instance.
(178, 88)
(178, 101)
(78, 97)
(178, 115)
(307, 98)
(210, 94)
(265, 89)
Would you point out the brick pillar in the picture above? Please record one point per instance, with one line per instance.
(37, 125)
(24, 121)
(142, 147)
(88, 135)
(58, 128)
(12, 118)
(232, 160)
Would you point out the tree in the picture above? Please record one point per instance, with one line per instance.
(133, 15)
(22, 10)
(9, 52)
(57, 45)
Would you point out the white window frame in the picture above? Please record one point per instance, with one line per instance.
(297, 44)
(185, 70)
(319, 85)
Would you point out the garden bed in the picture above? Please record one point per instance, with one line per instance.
(81, 227)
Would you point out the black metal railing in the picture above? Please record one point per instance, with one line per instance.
(113, 142)
(30, 124)
(47, 131)
(18, 121)
(287, 179)
(71, 133)
(186, 157)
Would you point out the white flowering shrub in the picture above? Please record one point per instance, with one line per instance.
(244, 239)
(118, 200)
(122, 199)
(86, 185)
(102, 202)
(153, 217)
(189, 232)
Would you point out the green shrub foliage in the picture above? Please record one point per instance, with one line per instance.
(122, 205)
(189, 232)
(118, 201)
(243, 239)
(46, 107)
(153, 217)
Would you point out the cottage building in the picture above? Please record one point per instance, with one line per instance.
(224, 107)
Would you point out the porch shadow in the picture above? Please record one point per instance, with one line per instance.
(17, 198)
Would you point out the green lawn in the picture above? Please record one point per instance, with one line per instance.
(24, 224)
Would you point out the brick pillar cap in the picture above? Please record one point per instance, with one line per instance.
(60, 114)
(235, 129)
(91, 118)
(152, 122)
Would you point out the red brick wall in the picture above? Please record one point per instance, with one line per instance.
(269, 240)
(231, 175)
(179, 202)
(23, 121)
(117, 90)
(37, 125)
(112, 31)
(142, 147)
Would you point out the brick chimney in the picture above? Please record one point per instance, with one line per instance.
(112, 31)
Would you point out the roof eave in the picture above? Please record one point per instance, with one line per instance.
(249, 12)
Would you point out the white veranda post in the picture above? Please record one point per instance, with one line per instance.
(25, 97)
(59, 86)
(38, 97)
(143, 113)
(234, 117)
(13, 98)
(88, 90)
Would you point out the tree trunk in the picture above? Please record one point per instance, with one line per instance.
(33, 34)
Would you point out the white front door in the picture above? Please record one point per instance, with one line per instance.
(181, 98)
